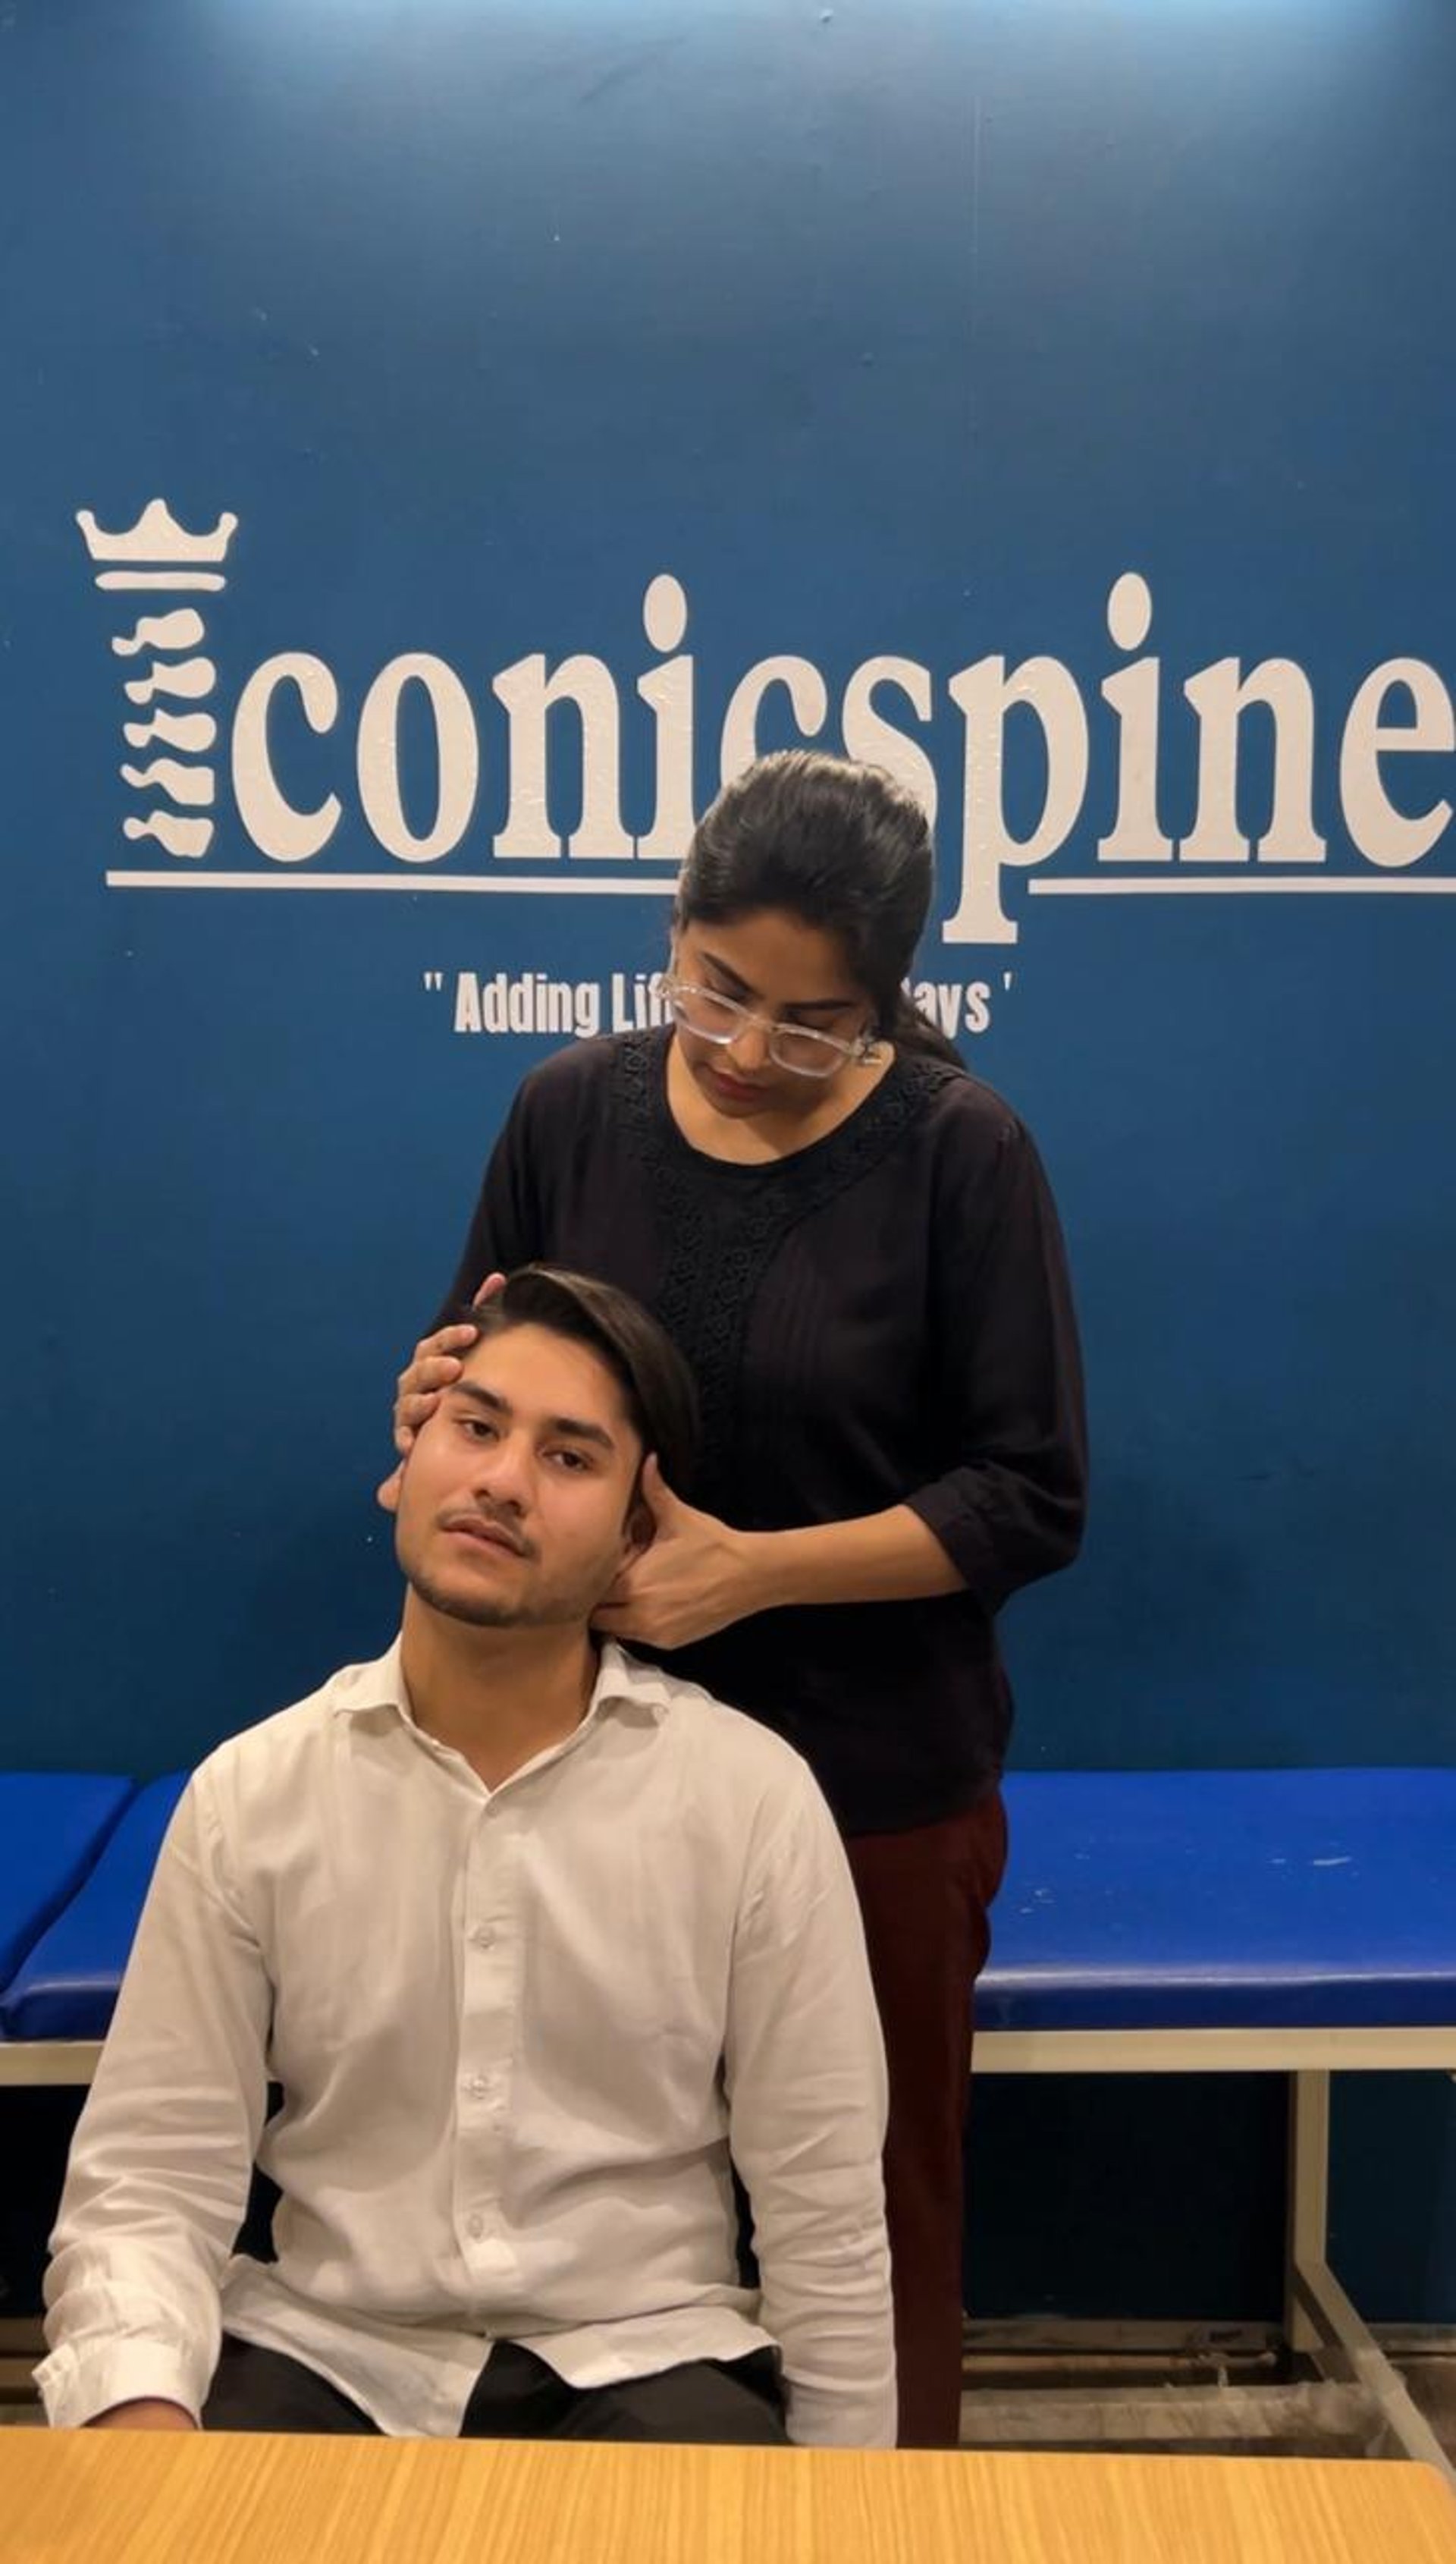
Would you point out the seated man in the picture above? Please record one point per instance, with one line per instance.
(533, 1938)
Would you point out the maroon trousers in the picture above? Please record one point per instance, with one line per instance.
(925, 1897)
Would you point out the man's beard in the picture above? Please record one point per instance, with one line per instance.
(543, 1610)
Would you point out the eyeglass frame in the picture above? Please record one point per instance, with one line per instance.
(845, 1054)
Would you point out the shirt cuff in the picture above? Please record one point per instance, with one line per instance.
(75, 2385)
(859, 2418)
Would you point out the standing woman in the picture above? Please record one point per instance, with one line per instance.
(853, 1242)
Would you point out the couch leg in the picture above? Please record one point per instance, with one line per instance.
(1318, 2317)
(1307, 2199)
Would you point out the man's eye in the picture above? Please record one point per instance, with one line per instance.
(479, 1428)
(570, 1460)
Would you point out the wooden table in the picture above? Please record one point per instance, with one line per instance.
(154, 2497)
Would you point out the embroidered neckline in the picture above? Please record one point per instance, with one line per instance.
(734, 1167)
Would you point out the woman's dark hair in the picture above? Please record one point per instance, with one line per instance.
(660, 1392)
(843, 847)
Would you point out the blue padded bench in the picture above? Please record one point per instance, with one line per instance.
(53, 1826)
(1237, 1922)
(56, 2007)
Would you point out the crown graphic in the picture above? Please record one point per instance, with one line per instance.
(157, 536)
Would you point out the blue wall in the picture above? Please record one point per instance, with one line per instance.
(889, 329)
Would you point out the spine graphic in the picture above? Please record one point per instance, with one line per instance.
(157, 553)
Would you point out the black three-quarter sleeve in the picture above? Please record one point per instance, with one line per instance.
(504, 1230)
(1007, 1374)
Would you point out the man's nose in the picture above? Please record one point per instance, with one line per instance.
(502, 1471)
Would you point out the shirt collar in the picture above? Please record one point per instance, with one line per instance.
(623, 1681)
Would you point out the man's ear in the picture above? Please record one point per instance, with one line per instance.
(389, 1493)
(640, 1529)
(643, 1517)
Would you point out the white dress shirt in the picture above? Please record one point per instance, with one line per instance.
(516, 2032)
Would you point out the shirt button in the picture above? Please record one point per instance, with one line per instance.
(475, 2085)
(475, 2226)
(483, 1936)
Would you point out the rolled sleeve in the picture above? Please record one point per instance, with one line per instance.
(162, 2157)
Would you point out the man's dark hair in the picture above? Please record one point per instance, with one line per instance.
(658, 1387)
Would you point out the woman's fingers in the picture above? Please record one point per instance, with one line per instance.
(415, 1406)
(453, 1341)
(411, 1410)
(435, 1363)
(429, 1371)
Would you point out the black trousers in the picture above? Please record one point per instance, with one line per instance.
(719, 2403)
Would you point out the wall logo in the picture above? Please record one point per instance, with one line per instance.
(1059, 777)
(157, 557)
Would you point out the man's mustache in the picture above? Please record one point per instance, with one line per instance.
(480, 1519)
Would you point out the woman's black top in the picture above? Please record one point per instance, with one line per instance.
(883, 1318)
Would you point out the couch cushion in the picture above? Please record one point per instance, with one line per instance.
(1151, 1900)
(68, 1986)
(52, 1827)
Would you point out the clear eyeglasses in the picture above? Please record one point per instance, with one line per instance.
(793, 1047)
